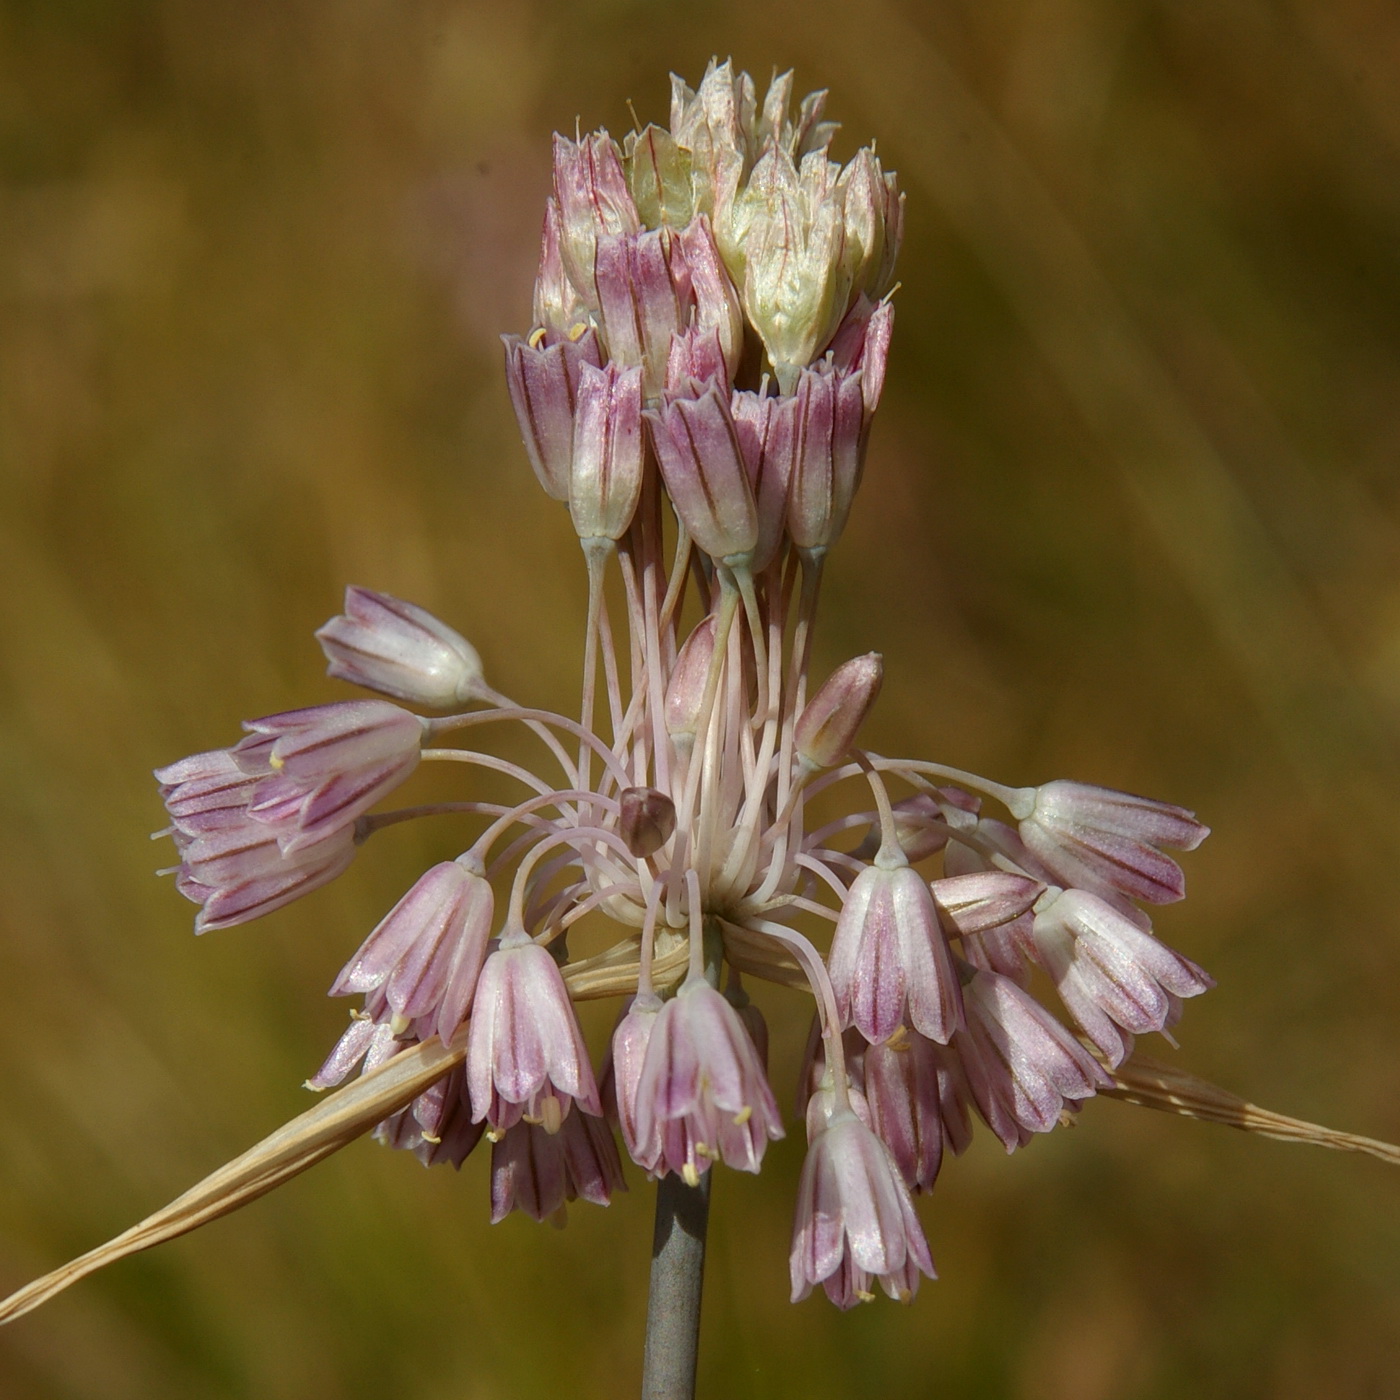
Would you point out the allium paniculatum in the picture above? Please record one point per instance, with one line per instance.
(712, 323)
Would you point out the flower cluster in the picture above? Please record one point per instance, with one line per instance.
(711, 330)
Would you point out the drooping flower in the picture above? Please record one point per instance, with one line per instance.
(1112, 975)
(1100, 840)
(525, 1055)
(918, 1099)
(890, 963)
(1023, 1068)
(855, 1224)
(427, 951)
(703, 1091)
(538, 1172)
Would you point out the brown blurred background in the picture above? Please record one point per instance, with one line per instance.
(1132, 515)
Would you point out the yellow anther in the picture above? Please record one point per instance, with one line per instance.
(899, 1041)
(399, 1023)
(536, 336)
(275, 763)
(689, 1175)
(743, 1115)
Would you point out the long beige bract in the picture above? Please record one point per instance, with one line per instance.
(1153, 1084)
(350, 1112)
(336, 1120)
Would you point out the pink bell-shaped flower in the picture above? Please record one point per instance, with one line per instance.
(703, 1090)
(1111, 974)
(427, 951)
(322, 767)
(855, 1223)
(398, 649)
(889, 960)
(525, 1054)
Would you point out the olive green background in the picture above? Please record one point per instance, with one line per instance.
(1131, 515)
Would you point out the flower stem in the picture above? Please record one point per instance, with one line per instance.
(678, 1248)
(677, 1275)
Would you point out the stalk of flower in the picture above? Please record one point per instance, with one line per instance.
(668, 821)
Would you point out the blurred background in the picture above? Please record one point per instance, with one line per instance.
(1131, 515)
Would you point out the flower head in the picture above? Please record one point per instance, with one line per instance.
(712, 327)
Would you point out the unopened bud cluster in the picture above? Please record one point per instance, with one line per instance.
(711, 331)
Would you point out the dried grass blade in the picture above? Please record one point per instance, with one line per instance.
(336, 1120)
(1161, 1086)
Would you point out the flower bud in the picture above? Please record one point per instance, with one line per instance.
(920, 828)
(543, 383)
(796, 283)
(629, 1047)
(647, 819)
(984, 899)
(862, 342)
(605, 481)
(686, 692)
(767, 431)
(593, 201)
(559, 309)
(704, 472)
(827, 463)
(874, 212)
(827, 727)
(713, 124)
(696, 357)
(659, 176)
(645, 296)
(398, 649)
(717, 305)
